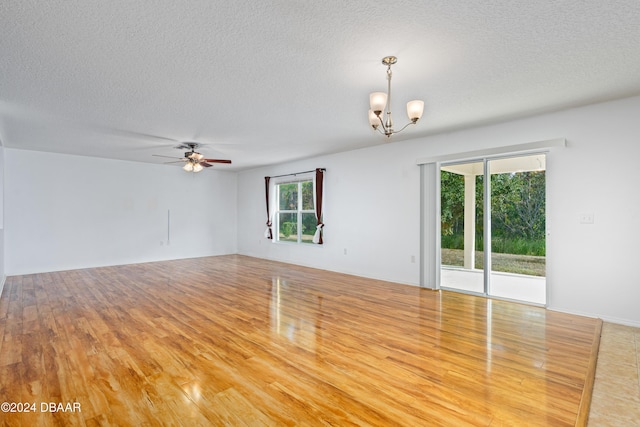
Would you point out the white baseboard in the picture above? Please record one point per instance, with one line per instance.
(609, 319)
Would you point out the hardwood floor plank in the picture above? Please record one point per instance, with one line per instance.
(234, 340)
(10, 389)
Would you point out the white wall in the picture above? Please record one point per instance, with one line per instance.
(66, 212)
(372, 206)
(371, 199)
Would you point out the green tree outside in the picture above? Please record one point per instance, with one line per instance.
(517, 212)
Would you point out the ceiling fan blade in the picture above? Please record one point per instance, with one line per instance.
(205, 164)
(125, 133)
(168, 157)
(216, 161)
(188, 146)
(177, 161)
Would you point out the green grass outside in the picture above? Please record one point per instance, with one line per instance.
(515, 246)
(506, 263)
(306, 238)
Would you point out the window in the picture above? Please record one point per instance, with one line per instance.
(295, 215)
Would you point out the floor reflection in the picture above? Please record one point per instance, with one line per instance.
(295, 313)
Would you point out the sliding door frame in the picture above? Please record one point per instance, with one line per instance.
(430, 237)
(486, 221)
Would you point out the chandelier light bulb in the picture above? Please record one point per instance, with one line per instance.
(374, 120)
(377, 102)
(415, 109)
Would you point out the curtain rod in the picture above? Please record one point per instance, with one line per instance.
(297, 173)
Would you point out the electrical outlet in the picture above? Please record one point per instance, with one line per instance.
(413, 259)
(345, 251)
(586, 218)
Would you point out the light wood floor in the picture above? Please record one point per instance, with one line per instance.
(234, 340)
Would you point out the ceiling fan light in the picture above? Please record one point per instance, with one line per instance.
(377, 102)
(415, 109)
(192, 160)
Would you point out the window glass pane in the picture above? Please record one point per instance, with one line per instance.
(452, 217)
(288, 224)
(309, 224)
(518, 215)
(307, 196)
(288, 196)
(518, 237)
(461, 228)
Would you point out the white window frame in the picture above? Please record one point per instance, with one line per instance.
(299, 211)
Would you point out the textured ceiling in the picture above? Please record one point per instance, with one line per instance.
(266, 82)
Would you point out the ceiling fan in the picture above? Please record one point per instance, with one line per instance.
(193, 161)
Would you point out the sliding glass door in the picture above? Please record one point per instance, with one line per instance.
(518, 228)
(461, 225)
(493, 230)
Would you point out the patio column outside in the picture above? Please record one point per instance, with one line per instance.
(469, 221)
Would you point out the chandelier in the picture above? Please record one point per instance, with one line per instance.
(379, 100)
